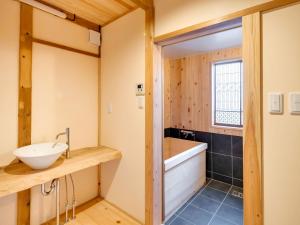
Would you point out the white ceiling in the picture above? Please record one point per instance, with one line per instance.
(212, 42)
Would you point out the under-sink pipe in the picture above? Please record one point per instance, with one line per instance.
(73, 200)
(54, 185)
(67, 201)
(48, 192)
(57, 202)
(67, 205)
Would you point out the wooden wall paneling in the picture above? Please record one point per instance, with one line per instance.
(167, 93)
(175, 92)
(196, 92)
(190, 91)
(253, 211)
(207, 93)
(186, 95)
(24, 105)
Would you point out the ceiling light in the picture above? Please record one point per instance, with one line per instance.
(45, 8)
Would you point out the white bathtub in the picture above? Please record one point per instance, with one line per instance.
(185, 172)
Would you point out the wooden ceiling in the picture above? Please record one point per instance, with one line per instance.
(100, 12)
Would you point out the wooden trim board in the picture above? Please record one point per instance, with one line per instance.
(24, 104)
(258, 8)
(151, 165)
(18, 177)
(253, 214)
(158, 128)
(55, 45)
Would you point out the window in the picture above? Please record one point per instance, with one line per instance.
(227, 91)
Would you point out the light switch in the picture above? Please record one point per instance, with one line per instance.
(140, 102)
(294, 102)
(275, 103)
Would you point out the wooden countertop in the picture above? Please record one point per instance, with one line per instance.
(18, 177)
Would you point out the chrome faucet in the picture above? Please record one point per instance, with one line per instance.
(67, 133)
(186, 133)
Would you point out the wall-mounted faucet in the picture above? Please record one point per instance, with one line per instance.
(67, 133)
(186, 133)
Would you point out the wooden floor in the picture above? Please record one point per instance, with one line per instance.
(102, 213)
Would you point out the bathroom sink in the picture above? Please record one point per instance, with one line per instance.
(40, 156)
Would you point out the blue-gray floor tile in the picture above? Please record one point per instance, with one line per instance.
(219, 186)
(231, 214)
(213, 194)
(234, 202)
(181, 221)
(195, 215)
(169, 221)
(205, 203)
(219, 221)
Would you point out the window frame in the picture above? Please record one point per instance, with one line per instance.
(213, 99)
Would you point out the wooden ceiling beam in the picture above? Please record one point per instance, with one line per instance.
(125, 4)
(74, 18)
(142, 4)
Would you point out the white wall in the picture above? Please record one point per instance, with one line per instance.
(171, 15)
(122, 66)
(281, 146)
(64, 94)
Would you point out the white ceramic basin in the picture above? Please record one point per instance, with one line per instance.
(40, 156)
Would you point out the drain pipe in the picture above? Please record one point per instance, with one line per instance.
(54, 185)
(57, 201)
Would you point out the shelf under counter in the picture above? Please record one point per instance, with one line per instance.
(18, 177)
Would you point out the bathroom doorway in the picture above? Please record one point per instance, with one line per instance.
(203, 129)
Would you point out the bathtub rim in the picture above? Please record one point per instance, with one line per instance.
(183, 156)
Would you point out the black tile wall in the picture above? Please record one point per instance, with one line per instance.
(209, 161)
(221, 144)
(224, 158)
(222, 164)
(237, 146)
(237, 168)
(204, 137)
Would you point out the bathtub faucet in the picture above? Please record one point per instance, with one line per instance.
(186, 133)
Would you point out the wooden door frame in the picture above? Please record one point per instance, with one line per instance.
(253, 179)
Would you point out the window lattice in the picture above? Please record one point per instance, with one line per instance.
(228, 97)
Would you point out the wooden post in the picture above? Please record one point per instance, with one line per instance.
(253, 214)
(149, 157)
(24, 107)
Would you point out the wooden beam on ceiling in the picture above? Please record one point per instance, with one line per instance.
(74, 18)
(125, 4)
(142, 4)
(24, 104)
